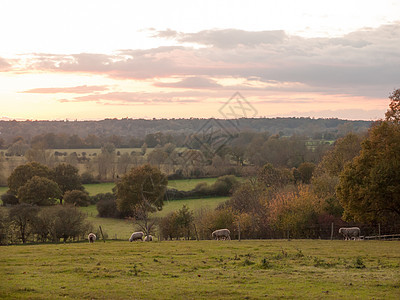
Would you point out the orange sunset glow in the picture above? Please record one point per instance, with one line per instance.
(68, 60)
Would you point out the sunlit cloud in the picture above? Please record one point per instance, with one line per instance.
(84, 89)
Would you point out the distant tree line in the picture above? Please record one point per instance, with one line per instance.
(133, 133)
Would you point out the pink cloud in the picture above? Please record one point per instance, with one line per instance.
(83, 89)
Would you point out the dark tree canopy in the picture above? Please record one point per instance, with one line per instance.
(23, 173)
(369, 186)
(22, 216)
(393, 113)
(141, 190)
(77, 198)
(67, 178)
(39, 191)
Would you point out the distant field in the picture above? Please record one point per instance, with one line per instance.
(189, 184)
(98, 188)
(3, 190)
(250, 269)
(181, 184)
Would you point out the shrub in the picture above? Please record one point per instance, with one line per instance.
(88, 178)
(9, 199)
(77, 198)
(4, 228)
(107, 207)
(101, 196)
(70, 223)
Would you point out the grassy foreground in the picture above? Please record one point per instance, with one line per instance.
(258, 269)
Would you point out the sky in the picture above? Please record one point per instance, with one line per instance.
(91, 60)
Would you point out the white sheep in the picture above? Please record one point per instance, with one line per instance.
(220, 234)
(148, 238)
(350, 233)
(91, 237)
(136, 236)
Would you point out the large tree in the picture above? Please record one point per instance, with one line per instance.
(140, 192)
(67, 178)
(393, 113)
(22, 217)
(369, 186)
(39, 191)
(23, 173)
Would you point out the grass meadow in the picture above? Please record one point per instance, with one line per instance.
(181, 184)
(250, 269)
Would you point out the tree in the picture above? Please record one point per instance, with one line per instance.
(184, 220)
(77, 198)
(274, 178)
(306, 170)
(39, 191)
(22, 217)
(106, 161)
(67, 178)
(393, 113)
(23, 173)
(140, 192)
(70, 222)
(369, 186)
(9, 199)
(345, 150)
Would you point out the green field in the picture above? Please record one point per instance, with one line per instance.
(189, 184)
(181, 184)
(257, 269)
(3, 190)
(122, 229)
(97, 188)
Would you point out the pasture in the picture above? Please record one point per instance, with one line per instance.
(250, 269)
(181, 184)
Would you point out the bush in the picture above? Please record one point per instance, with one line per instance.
(9, 199)
(4, 228)
(88, 178)
(224, 185)
(77, 198)
(70, 223)
(101, 196)
(107, 207)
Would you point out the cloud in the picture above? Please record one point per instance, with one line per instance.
(226, 38)
(83, 89)
(127, 98)
(4, 65)
(365, 62)
(191, 83)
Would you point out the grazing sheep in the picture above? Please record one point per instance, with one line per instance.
(148, 238)
(350, 233)
(136, 236)
(91, 237)
(221, 234)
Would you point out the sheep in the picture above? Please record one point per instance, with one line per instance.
(136, 236)
(148, 238)
(91, 237)
(221, 234)
(350, 233)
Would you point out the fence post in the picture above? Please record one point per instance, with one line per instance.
(102, 235)
(379, 230)
(331, 231)
(239, 229)
(195, 230)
